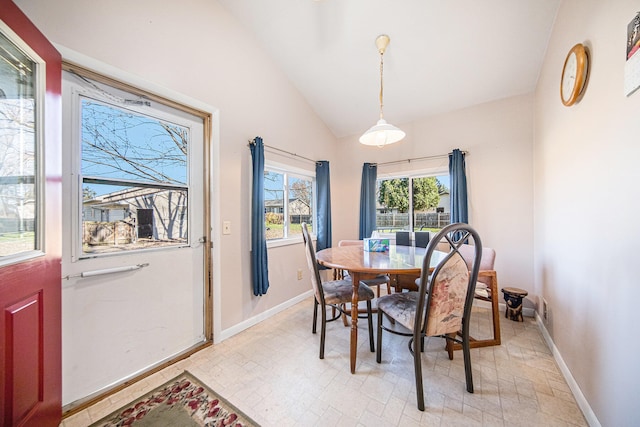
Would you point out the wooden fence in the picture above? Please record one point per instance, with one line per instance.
(423, 220)
(107, 233)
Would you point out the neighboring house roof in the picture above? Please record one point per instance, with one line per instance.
(120, 195)
(278, 202)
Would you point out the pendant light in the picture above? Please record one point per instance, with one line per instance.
(382, 133)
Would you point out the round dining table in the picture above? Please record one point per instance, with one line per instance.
(357, 261)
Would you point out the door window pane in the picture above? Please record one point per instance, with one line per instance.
(134, 179)
(117, 218)
(19, 202)
(121, 144)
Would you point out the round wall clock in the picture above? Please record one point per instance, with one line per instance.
(574, 74)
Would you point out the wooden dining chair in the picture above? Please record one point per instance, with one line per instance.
(421, 238)
(444, 310)
(403, 238)
(335, 294)
(403, 282)
(486, 290)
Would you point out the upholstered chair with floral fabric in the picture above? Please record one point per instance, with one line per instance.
(445, 309)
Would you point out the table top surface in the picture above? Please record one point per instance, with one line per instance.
(398, 259)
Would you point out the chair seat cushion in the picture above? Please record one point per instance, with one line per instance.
(482, 290)
(376, 281)
(401, 307)
(340, 291)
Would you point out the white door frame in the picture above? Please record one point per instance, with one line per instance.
(210, 117)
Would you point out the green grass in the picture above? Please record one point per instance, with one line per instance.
(12, 237)
(276, 231)
(292, 227)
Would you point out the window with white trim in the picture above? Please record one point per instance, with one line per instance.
(289, 200)
(412, 203)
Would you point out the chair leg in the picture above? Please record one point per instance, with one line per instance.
(467, 364)
(315, 314)
(449, 345)
(370, 319)
(495, 309)
(323, 329)
(417, 362)
(345, 320)
(381, 314)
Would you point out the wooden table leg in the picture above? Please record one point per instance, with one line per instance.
(355, 278)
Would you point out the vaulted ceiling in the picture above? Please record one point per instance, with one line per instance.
(444, 55)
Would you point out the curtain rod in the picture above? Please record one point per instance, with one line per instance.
(252, 142)
(439, 156)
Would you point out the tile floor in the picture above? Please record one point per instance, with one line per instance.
(272, 372)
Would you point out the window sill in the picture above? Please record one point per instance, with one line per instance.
(276, 243)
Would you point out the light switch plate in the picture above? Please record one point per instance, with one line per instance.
(226, 227)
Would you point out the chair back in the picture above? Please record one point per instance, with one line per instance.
(350, 243)
(312, 263)
(402, 238)
(422, 239)
(487, 262)
(446, 307)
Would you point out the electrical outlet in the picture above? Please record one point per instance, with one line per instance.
(299, 274)
(545, 308)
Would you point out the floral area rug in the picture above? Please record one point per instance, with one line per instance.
(183, 401)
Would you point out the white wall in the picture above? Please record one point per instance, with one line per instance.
(586, 207)
(498, 137)
(195, 48)
(583, 206)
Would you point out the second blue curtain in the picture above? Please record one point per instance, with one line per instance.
(458, 177)
(323, 227)
(259, 260)
(368, 200)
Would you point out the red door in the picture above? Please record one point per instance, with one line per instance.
(30, 224)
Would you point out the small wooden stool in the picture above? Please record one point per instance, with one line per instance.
(513, 297)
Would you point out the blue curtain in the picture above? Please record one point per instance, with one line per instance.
(368, 200)
(323, 188)
(458, 177)
(259, 261)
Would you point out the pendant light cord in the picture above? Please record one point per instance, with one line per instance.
(381, 82)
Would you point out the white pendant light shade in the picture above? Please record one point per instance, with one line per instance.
(382, 134)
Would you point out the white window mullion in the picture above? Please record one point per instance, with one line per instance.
(285, 202)
(411, 218)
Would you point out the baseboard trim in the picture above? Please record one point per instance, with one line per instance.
(582, 402)
(236, 329)
(502, 307)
